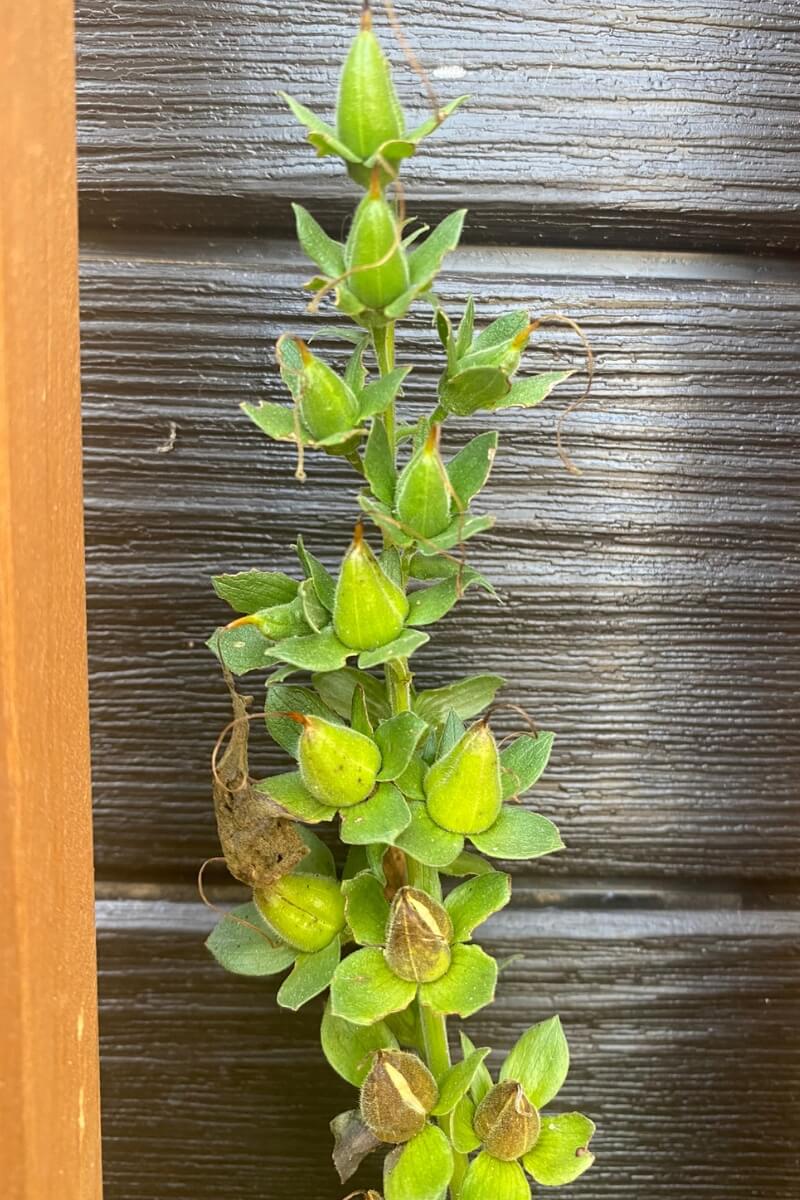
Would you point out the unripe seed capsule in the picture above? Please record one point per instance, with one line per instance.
(338, 765)
(397, 1096)
(373, 252)
(463, 790)
(423, 499)
(418, 938)
(506, 1122)
(505, 356)
(368, 112)
(307, 911)
(327, 405)
(280, 621)
(369, 609)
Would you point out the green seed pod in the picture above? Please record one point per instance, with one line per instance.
(338, 765)
(373, 252)
(369, 609)
(327, 405)
(307, 911)
(506, 1122)
(463, 790)
(418, 938)
(279, 621)
(397, 1096)
(368, 112)
(423, 498)
(505, 355)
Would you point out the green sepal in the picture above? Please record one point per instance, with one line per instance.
(411, 781)
(430, 125)
(277, 421)
(474, 388)
(366, 909)
(430, 604)
(420, 1170)
(523, 762)
(288, 792)
(359, 713)
(450, 734)
(466, 328)
(287, 697)
(426, 841)
(319, 860)
(467, 986)
(463, 1136)
(311, 974)
(314, 612)
(336, 691)
(561, 1154)
(469, 469)
(381, 818)
(456, 1081)
(502, 329)
(481, 1081)
(321, 135)
(397, 740)
(314, 652)
(487, 1176)
(539, 1062)
(249, 591)
(324, 583)
(391, 565)
(364, 990)
(519, 834)
(473, 902)
(349, 1048)
(378, 395)
(320, 248)
(460, 529)
(241, 650)
(526, 393)
(467, 698)
(355, 373)
(424, 262)
(379, 463)
(246, 951)
(468, 863)
(384, 518)
(402, 647)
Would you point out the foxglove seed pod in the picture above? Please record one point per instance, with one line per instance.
(368, 113)
(418, 937)
(505, 356)
(463, 789)
(338, 765)
(506, 1122)
(368, 609)
(373, 256)
(280, 621)
(397, 1096)
(307, 911)
(423, 498)
(327, 405)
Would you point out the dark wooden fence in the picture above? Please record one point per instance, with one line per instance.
(634, 165)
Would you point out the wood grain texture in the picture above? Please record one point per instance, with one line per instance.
(623, 124)
(682, 1027)
(49, 1103)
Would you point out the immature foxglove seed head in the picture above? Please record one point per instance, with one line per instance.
(369, 609)
(463, 789)
(373, 255)
(307, 911)
(338, 765)
(423, 495)
(505, 355)
(327, 405)
(368, 113)
(506, 1122)
(397, 1096)
(419, 936)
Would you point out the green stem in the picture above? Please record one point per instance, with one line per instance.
(383, 341)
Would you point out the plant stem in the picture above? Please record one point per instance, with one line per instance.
(383, 341)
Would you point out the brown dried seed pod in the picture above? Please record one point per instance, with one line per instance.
(419, 936)
(506, 1122)
(397, 1096)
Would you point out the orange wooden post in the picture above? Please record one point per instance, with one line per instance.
(49, 1117)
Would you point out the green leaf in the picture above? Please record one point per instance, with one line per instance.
(424, 262)
(241, 650)
(469, 469)
(432, 123)
(288, 791)
(248, 591)
(539, 1062)
(316, 616)
(477, 387)
(463, 1136)
(467, 985)
(526, 393)
(324, 583)
(482, 1081)
(311, 975)
(423, 1168)
(466, 697)
(468, 864)
(314, 652)
(359, 714)
(487, 1176)
(460, 529)
(465, 328)
(379, 819)
(473, 902)
(349, 1048)
(430, 604)
(320, 248)
(364, 990)
(247, 951)
(321, 135)
(561, 1153)
(366, 909)
(500, 330)
(523, 762)
(379, 463)
(518, 834)
(397, 740)
(287, 697)
(336, 690)
(456, 1081)
(275, 420)
(403, 646)
(411, 781)
(376, 397)
(355, 375)
(355, 862)
(426, 841)
(319, 860)
(383, 517)
(452, 731)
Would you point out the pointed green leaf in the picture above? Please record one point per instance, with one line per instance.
(481, 1081)
(287, 790)
(379, 819)
(466, 697)
(376, 397)
(383, 517)
(311, 975)
(359, 714)
(397, 739)
(452, 731)
(468, 863)
(456, 1081)
(314, 652)
(249, 591)
(469, 469)
(523, 762)
(349, 1048)
(275, 420)
(336, 691)
(467, 985)
(526, 393)
(422, 1169)
(430, 604)
(519, 834)
(463, 1136)
(287, 697)
(355, 375)
(320, 248)
(487, 1176)
(245, 950)
(403, 646)
(424, 262)
(366, 909)
(460, 529)
(364, 990)
(324, 583)
(316, 616)
(561, 1153)
(473, 902)
(474, 388)
(355, 862)
(320, 134)
(427, 842)
(432, 123)
(241, 650)
(391, 564)
(379, 463)
(411, 781)
(539, 1062)
(466, 328)
(500, 330)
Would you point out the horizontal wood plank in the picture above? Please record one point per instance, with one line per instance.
(682, 1027)
(623, 124)
(651, 608)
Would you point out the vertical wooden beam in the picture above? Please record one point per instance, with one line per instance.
(49, 1148)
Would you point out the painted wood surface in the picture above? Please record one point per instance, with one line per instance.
(621, 124)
